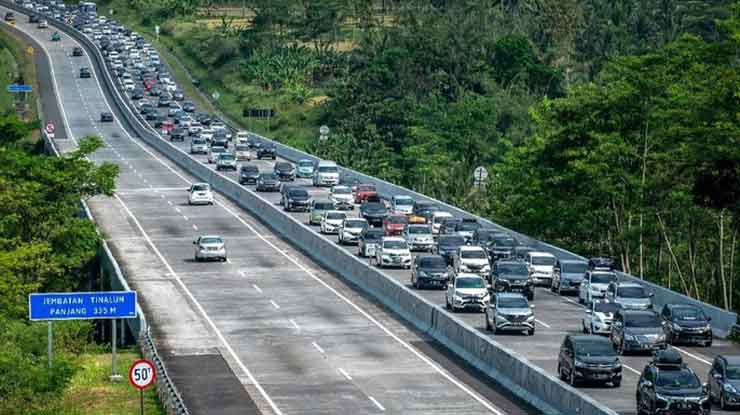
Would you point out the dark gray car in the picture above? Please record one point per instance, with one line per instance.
(374, 212)
(429, 271)
(568, 275)
(268, 182)
(248, 173)
(512, 276)
(637, 331)
(447, 246)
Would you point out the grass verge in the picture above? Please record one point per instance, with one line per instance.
(15, 64)
(91, 392)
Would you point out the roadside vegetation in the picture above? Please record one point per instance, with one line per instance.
(608, 127)
(17, 66)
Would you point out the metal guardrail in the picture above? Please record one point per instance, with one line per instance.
(166, 389)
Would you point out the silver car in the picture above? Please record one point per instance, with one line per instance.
(419, 237)
(350, 230)
(213, 153)
(198, 146)
(210, 247)
(318, 207)
(226, 161)
(509, 311)
(631, 295)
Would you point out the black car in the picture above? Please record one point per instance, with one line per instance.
(178, 96)
(284, 170)
(178, 134)
(188, 106)
(724, 381)
(147, 108)
(668, 386)
(268, 182)
(164, 101)
(220, 141)
(106, 117)
(588, 358)
(429, 271)
(482, 236)
(374, 212)
(512, 276)
(266, 152)
(424, 209)
(686, 323)
(568, 275)
(203, 118)
(635, 331)
(155, 92)
(153, 115)
(31, 19)
(137, 94)
(449, 226)
(447, 246)
(76, 51)
(296, 200)
(601, 264)
(520, 252)
(248, 173)
(501, 246)
(85, 72)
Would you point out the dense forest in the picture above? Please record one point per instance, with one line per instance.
(45, 246)
(609, 126)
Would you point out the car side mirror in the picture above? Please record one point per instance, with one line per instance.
(717, 376)
(588, 311)
(195, 242)
(647, 384)
(449, 285)
(651, 295)
(709, 318)
(705, 387)
(531, 306)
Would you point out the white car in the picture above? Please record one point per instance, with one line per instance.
(331, 220)
(210, 247)
(128, 85)
(419, 237)
(467, 291)
(437, 219)
(200, 194)
(195, 128)
(594, 285)
(541, 267)
(170, 86)
(350, 229)
(342, 197)
(599, 317)
(472, 259)
(213, 153)
(402, 204)
(242, 137)
(393, 251)
(243, 152)
(207, 133)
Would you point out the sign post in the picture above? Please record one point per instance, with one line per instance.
(141, 375)
(82, 306)
(49, 128)
(156, 31)
(323, 133)
(480, 176)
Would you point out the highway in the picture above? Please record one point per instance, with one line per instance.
(296, 338)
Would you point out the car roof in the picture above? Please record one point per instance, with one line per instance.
(636, 312)
(469, 275)
(540, 253)
(403, 197)
(592, 338)
(471, 248)
(509, 261)
(682, 305)
(212, 236)
(393, 238)
(731, 359)
(509, 295)
(628, 284)
(572, 261)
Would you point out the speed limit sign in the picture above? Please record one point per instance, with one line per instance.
(142, 374)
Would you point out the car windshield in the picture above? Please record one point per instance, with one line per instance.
(218, 149)
(328, 169)
(403, 201)
(468, 226)
(226, 157)
(342, 191)
(574, 267)
(249, 169)
(211, 240)
(512, 302)
(642, 321)
(505, 242)
(198, 141)
(688, 314)
(451, 241)
(269, 176)
(242, 147)
(733, 372)
(365, 188)
(336, 216)
(323, 206)
(398, 219)
(515, 269)
(469, 283)
(298, 193)
(201, 187)
(543, 260)
(394, 245)
(632, 292)
(677, 379)
(305, 163)
(594, 348)
(474, 254)
(420, 230)
(607, 308)
(603, 278)
(283, 166)
(433, 262)
(374, 207)
(355, 224)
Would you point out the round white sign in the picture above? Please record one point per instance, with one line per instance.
(142, 374)
(324, 130)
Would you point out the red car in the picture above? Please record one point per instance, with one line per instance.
(167, 127)
(395, 224)
(364, 191)
(149, 83)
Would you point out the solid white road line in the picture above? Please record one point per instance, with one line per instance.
(375, 401)
(317, 347)
(297, 327)
(256, 288)
(635, 371)
(706, 362)
(195, 227)
(344, 373)
(274, 304)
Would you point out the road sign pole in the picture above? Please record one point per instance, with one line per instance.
(50, 345)
(114, 376)
(141, 400)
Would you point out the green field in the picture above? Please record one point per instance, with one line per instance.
(8, 70)
(15, 63)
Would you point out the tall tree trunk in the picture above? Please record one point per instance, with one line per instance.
(642, 196)
(733, 248)
(722, 275)
(686, 287)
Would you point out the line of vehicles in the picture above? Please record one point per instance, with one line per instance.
(479, 269)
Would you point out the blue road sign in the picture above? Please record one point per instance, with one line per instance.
(82, 306)
(14, 88)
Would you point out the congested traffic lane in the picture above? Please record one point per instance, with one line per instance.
(313, 346)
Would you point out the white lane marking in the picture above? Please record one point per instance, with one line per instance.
(274, 304)
(228, 260)
(201, 309)
(375, 401)
(169, 203)
(344, 373)
(297, 327)
(256, 288)
(317, 347)
(186, 218)
(383, 328)
(178, 210)
(706, 362)
(543, 323)
(636, 372)
(195, 227)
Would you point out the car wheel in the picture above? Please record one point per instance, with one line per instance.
(530, 296)
(561, 375)
(617, 383)
(708, 343)
(447, 303)
(488, 323)
(580, 300)
(531, 331)
(572, 378)
(722, 401)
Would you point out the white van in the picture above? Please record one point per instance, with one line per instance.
(437, 218)
(541, 267)
(326, 173)
(242, 137)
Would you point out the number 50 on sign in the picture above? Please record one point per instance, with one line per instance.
(142, 374)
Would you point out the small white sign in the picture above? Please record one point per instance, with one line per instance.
(142, 374)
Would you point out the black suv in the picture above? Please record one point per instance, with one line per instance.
(374, 212)
(296, 199)
(424, 209)
(248, 173)
(266, 152)
(501, 246)
(520, 252)
(668, 386)
(76, 51)
(482, 236)
(85, 72)
(106, 117)
(512, 276)
(724, 381)
(449, 226)
(429, 271)
(589, 358)
(284, 170)
(634, 331)
(686, 323)
(447, 246)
